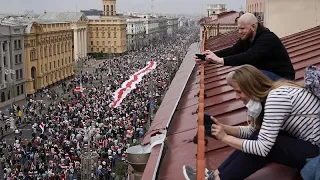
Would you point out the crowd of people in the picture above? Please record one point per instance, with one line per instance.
(79, 122)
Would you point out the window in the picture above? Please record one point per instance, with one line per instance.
(115, 43)
(65, 48)
(61, 48)
(41, 54)
(114, 28)
(19, 44)
(50, 51)
(103, 49)
(20, 58)
(103, 34)
(97, 43)
(18, 90)
(50, 66)
(109, 35)
(3, 97)
(97, 34)
(54, 49)
(115, 49)
(15, 44)
(54, 64)
(132, 25)
(91, 49)
(16, 59)
(21, 74)
(98, 50)
(91, 43)
(45, 51)
(5, 61)
(58, 48)
(17, 74)
(102, 43)
(22, 89)
(58, 63)
(9, 94)
(115, 34)
(69, 60)
(97, 29)
(46, 67)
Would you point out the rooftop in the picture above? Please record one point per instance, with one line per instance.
(62, 16)
(228, 17)
(181, 122)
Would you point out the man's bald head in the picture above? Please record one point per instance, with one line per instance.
(248, 19)
(248, 25)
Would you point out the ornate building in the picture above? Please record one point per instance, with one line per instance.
(12, 71)
(107, 33)
(48, 50)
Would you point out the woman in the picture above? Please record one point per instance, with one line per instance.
(287, 132)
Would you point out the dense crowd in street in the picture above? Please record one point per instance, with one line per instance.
(83, 121)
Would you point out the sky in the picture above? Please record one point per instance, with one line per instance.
(160, 6)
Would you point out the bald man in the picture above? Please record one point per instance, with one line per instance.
(257, 46)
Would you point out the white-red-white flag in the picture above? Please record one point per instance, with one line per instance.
(41, 125)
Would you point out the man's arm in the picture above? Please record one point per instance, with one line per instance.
(261, 48)
(235, 49)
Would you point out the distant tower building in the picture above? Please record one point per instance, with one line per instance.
(215, 9)
(109, 7)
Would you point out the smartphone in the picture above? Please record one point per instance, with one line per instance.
(207, 125)
(201, 56)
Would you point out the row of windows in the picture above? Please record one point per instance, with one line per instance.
(52, 50)
(103, 43)
(19, 74)
(257, 7)
(55, 75)
(54, 25)
(17, 44)
(18, 58)
(19, 91)
(103, 34)
(102, 28)
(104, 50)
(55, 64)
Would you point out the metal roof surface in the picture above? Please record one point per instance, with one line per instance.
(303, 49)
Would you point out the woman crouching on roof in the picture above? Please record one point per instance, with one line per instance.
(284, 127)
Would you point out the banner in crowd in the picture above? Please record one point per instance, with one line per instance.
(130, 84)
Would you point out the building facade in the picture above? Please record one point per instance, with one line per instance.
(78, 23)
(136, 33)
(283, 21)
(12, 70)
(107, 33)
(49, 54)
(214, 9)
(257, 8)
(173, 25)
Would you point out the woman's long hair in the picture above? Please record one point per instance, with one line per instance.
(257, 86)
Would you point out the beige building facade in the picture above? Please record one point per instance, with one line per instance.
(283, 21)
(48, 54)
(107, 33)
(255, 6)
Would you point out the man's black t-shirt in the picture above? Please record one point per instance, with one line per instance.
(265, 52)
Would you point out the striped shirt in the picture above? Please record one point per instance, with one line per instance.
(279, 115)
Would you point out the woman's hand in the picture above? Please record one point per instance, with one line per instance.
(218, 130)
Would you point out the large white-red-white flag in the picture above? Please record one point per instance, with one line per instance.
(131, 83)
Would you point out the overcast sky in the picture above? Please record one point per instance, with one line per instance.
(160, 6)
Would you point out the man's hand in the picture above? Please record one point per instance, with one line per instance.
(199, 61)
(213, 58)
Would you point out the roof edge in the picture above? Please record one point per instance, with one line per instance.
(160, 155)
